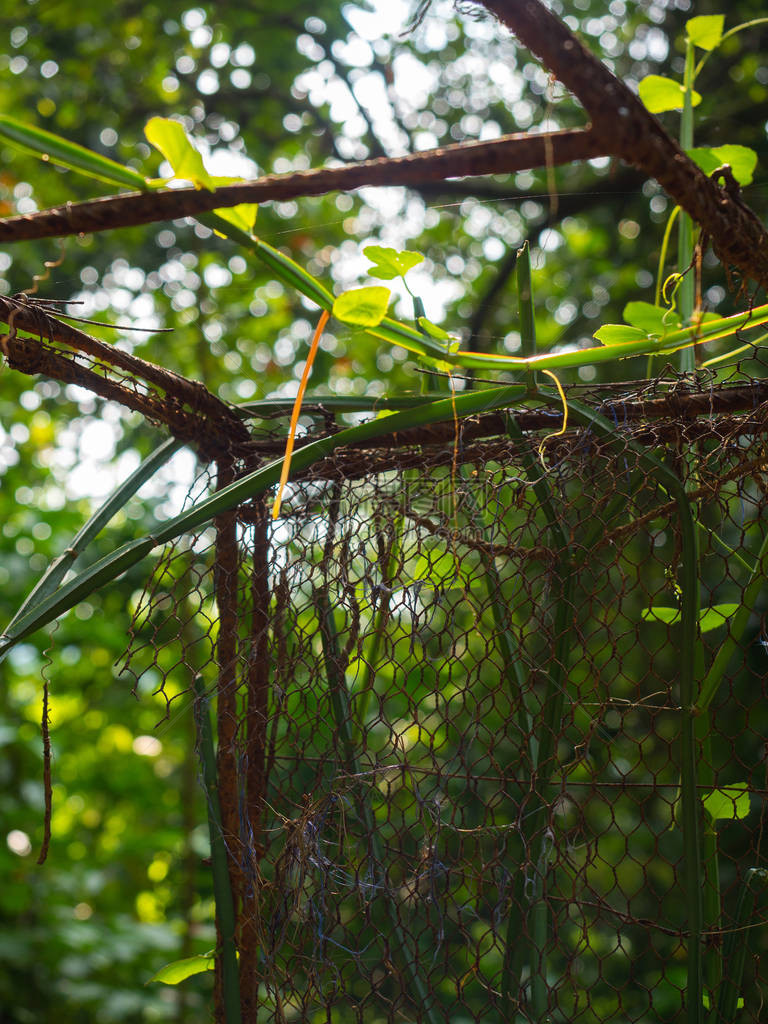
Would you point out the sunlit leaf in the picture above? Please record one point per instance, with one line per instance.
(651, 319)
(242, 216)
(365, 307)
(741, 159)
(730, 803)
(390, 263)
(173, 142)
(706, 30)
(179, 970)
(659, 93)
(709, 618)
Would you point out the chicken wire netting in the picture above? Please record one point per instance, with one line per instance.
(449, 721)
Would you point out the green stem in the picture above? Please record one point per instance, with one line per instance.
(735, 949)
(685, 230)
(525, 302)
(225, 908)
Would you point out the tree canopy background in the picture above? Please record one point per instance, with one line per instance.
(262, 89)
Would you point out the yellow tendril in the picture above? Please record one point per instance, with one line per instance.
(561, 431)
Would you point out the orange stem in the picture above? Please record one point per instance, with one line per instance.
(324, 317)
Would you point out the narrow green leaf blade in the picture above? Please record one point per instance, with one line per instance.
(61, 151)
(180, 970)
(57, 570)
(615, 334)
(706, 30)
(659, 93)
(365, 307)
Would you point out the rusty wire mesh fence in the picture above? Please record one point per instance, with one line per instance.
(449, 723)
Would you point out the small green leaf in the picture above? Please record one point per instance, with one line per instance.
(741, 159)
(716, 616)
(365, 307)
(242, 216)
(730, 803)
(60, 151)
(173, 142)
(706, 31)
(651, 319)
(709, 618)
(659, 94)
(179, 970)
(616, 334)
(389, 263)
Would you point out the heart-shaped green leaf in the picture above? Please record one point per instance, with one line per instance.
(659, 93)
(364, 307)
(730, 803)
(706, 30)
(741, 159)
(709, 618)
(651, 319)
(390, 263)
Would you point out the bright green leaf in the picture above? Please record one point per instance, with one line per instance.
(651, 319)
(659, 94)
(741, 159)
(179, 970)
(61, 151)
(709, 618)
(242, 216)
(706, 31)
(365, 307)
(389, 263)
(730, 803)
(173, 142)
(616, 334)
(714, 617)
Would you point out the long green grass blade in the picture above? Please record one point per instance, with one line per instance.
(686, 293)
(754, 882)
(58, 569)
(222, 889)
(54, 148)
